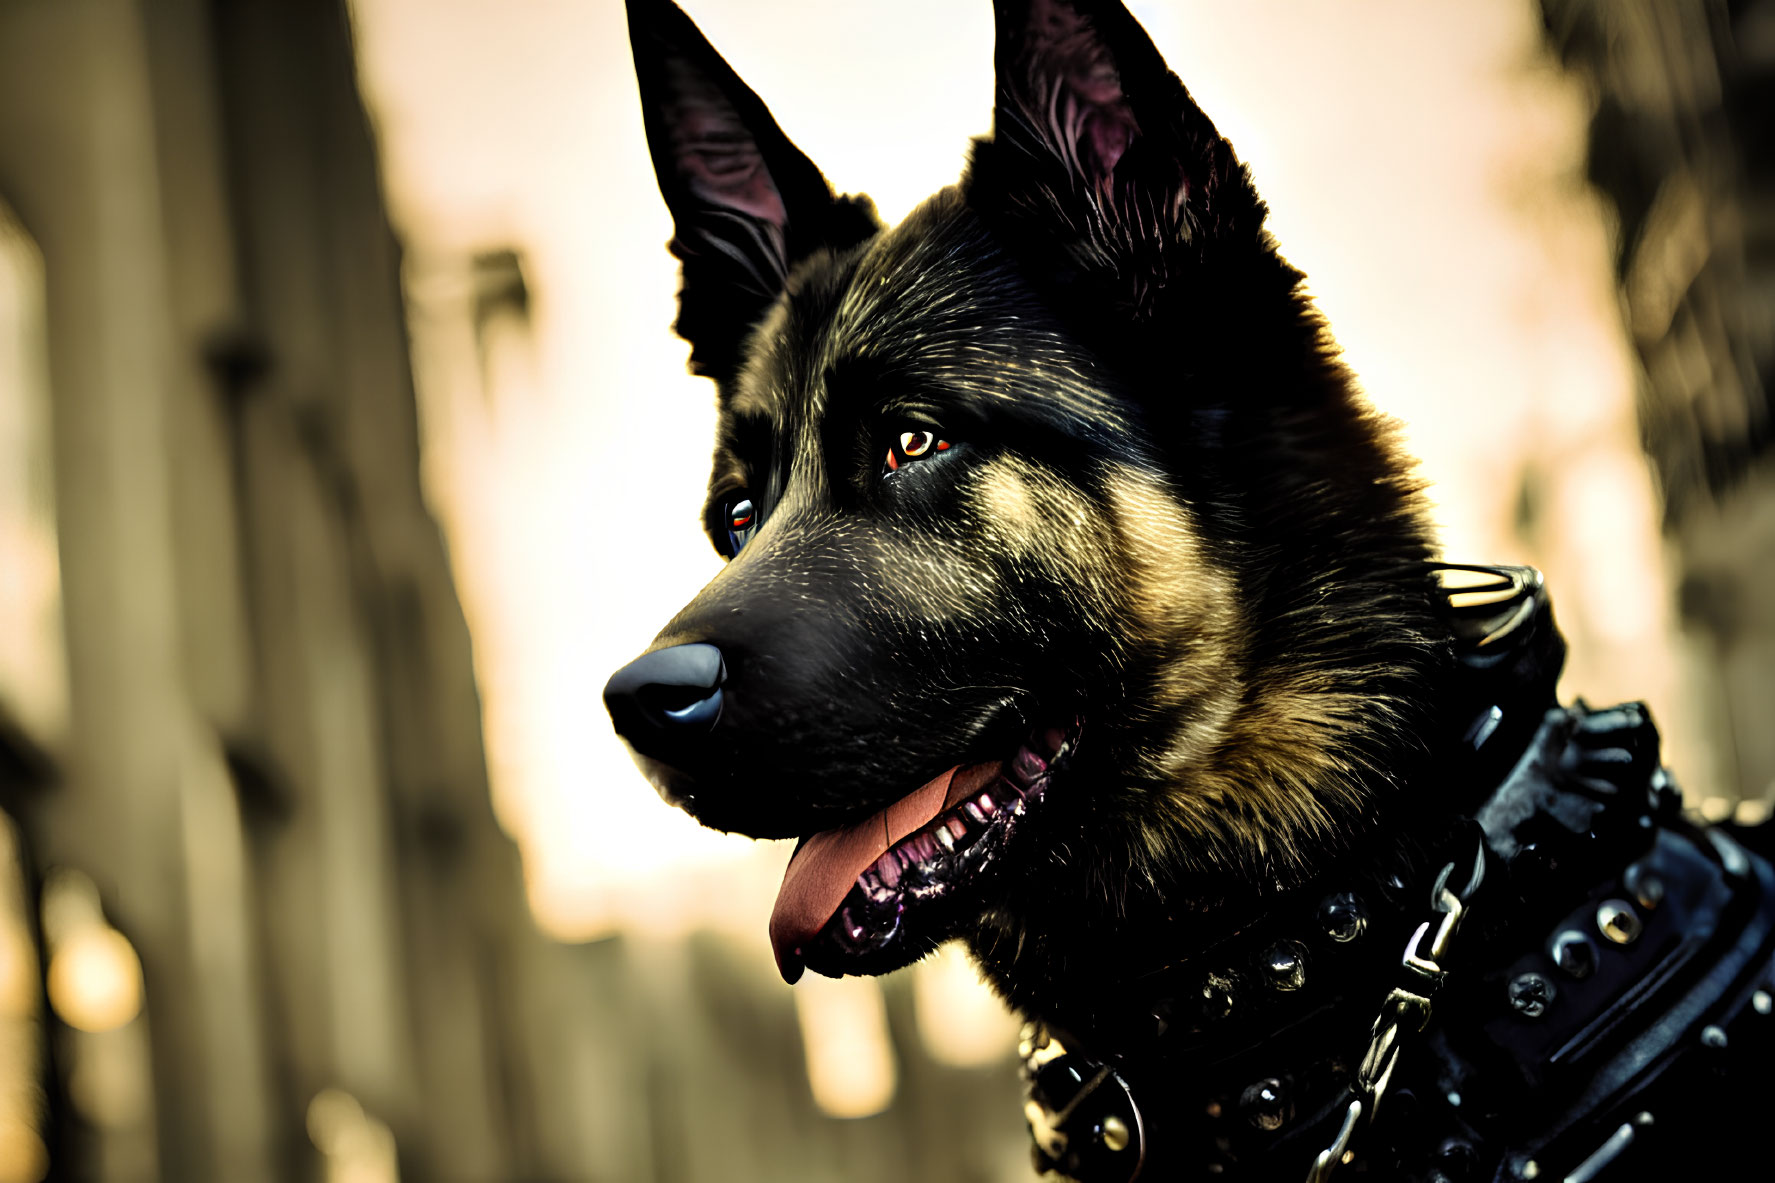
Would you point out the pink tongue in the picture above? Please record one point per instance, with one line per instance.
(826, 867)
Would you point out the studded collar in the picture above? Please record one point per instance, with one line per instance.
(1242, 1061)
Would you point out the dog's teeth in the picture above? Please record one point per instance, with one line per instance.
(944, 839)
(887, 868)
(957, 828)
(973, 810)
(985, 804)
(1025, 767)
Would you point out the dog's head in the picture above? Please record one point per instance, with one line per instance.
(1070, 589)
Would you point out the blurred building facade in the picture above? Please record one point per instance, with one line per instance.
(257, 769)
(257, 917)
(1682, 147)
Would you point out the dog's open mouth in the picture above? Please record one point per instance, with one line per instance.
(869, 897)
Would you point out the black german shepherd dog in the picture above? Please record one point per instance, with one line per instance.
(1079, 608)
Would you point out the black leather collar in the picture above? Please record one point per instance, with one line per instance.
(1242, 1061)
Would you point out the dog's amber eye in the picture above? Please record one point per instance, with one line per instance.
(742, 519)
(913, 445)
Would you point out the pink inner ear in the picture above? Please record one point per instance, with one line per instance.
(716, 155)
(1108, 133)
(1085, 102)
(1107, 126)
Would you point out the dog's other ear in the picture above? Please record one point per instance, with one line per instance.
(1097, 149)
(746, 204)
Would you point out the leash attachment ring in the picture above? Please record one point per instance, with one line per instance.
(1083, 1119)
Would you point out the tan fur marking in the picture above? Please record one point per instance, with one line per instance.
(1183, 605)
(1008, 507)
(1250, 774)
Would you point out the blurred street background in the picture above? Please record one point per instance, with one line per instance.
(345, 451)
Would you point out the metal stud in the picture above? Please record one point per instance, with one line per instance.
(1285, 965)
(1265, 1104)
(1456, 1159)
(1115, 1133)
(1643, 885)
(1342, 917)
(1217, 996)
(1713, 1036)
(1531, 994)
(1574, 953)
(1617, 921)
(1763, 1002)
(1524, 1167)
(1733, 860)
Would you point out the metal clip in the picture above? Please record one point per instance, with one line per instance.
(1405, 1012)
(1430, 968)
(1330, 1157)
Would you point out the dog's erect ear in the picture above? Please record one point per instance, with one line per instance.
(746, 204)
(1098, 149)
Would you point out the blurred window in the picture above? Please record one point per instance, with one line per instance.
(23, 1156)
(33, 677)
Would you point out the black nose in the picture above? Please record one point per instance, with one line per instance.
(670, 695)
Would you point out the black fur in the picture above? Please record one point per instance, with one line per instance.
(1214, 555)
(1065, 468)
